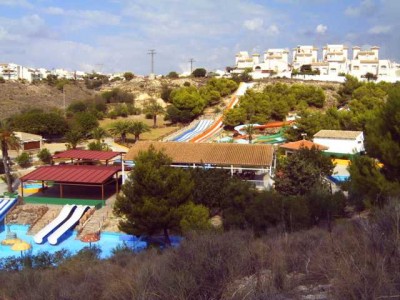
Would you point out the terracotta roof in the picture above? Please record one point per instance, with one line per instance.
(209, 153)
(87, 154)
(302, 144)
(338, 134)
(72, 174)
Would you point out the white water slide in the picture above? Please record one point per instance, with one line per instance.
(62, 216)
(76, 215)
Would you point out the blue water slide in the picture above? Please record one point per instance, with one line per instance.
(201, 126)
(5, 205)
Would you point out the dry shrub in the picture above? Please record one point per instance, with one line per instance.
(357, 260)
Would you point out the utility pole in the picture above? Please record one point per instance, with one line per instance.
(191, 65)
(65, 108)
(152, 52)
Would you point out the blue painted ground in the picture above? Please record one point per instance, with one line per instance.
(107, 243)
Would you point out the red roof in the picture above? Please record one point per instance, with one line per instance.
(87, 154)
(302, 144)
(72, 174)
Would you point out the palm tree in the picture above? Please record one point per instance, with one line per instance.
(8, 140)
(73, 138)
(120, 128)
(99, 134)
(153, 108)
(137, 128)
(250, 130)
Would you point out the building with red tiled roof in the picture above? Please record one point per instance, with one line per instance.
(295, 146)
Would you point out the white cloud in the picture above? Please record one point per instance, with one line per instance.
(21, 3)
(53, 10)
(253, 24)
(379, 29)
(321, 29)
(366, 7)
(273, 30)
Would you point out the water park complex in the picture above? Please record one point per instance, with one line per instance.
(80, 186)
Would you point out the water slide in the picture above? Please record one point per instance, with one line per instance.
(5, 205)
(216, 126)
(199, 128)
(274, 124)
(61, 218)
(76, 215)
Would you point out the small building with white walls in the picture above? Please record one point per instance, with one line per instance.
(340, 141)
(29, 141)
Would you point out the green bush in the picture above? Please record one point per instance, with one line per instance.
(44, 155)
(2, 80)
(23, 160)
(199, 72)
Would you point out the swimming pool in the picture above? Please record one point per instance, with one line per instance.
(108, 242)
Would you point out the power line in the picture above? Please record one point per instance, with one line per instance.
(191, 65)
(152, 52)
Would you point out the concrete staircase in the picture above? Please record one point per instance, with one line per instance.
(49, 216)
(95, 222)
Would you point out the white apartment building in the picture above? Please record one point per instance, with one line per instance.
(365, 61)
(274, 61)
(304, 55)
(337, 58)
(13, 71)
(244, 61)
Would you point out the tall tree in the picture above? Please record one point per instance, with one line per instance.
(302, 171)
(250, 130)
(99, 134)
(121, 129)
(137, 128)
(73, 138)
(154, 196)
(8, 140)
(383, 136)
(153, 108)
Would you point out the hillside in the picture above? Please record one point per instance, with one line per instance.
(17, 96)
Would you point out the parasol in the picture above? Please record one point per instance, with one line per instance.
(91, 238)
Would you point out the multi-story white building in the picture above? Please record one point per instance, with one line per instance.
(337, 58)
(365, 61)
(304, 55)
(274, 61)
(244, 61)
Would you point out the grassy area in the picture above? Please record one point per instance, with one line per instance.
(153, 134)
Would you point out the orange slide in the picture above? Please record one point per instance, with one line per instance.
(216, 125)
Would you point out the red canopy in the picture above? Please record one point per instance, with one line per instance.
(87, 154)
(73, 174)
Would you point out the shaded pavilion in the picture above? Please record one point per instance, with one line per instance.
(75, 175)
(254, 157)
(77, 156)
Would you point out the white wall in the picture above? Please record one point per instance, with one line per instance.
(344, 146)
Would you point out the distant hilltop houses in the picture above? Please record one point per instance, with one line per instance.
(11, 71)
(333, 66)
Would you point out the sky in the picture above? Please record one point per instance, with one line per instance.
(116, 35)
